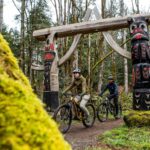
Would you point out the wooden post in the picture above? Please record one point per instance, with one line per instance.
(51, 83)
(140, 62)
(125, 65)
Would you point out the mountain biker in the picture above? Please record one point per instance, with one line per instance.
(113, 90)
(82, 96)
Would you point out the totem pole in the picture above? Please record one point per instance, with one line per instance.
(51, 84)
(140, 51)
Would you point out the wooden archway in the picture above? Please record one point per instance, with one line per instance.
(86, 27)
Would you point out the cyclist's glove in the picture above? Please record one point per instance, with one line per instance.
(82, 94)
(63, 93)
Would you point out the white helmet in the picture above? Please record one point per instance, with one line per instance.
(77, 70)
(110, 77)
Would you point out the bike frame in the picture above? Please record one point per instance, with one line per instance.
(109, 104)
(75, 107)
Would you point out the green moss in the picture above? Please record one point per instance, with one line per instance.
(24, 125)
(126, 101)
(137, 118)
(127, 138)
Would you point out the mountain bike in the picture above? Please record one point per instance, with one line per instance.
(71, 110)
(107, 107)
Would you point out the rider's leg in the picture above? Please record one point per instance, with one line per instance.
(83, 103)
(77, 98)
(116, 104)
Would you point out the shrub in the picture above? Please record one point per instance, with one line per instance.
(137, 118)
(126, 101)
(24, 125)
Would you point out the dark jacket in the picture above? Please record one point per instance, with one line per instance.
(113, 89)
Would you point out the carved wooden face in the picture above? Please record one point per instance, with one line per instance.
(146, 72)
(138, 28)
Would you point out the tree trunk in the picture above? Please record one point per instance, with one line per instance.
(56, 9)
(22, 42)
(125, 65)
(101, 41)
(137, 6)
(65, 16)
(75, 61)
(123, 12)
(1, 15)
(89, 62)
(136, 9)
(60, 12)
(101, 71)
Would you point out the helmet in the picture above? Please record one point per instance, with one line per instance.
(77, 70)
(110, 78)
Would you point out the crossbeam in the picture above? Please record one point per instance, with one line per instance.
(86, 27)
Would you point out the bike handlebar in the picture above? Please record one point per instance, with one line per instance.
(68, 94)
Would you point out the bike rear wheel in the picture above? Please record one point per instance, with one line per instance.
(88, 122)
(63, 116)
(102, 112)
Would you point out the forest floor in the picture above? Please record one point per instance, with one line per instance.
(82, 138)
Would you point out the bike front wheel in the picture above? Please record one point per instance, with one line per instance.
(63, 116)
(102, 112)
(89, 121)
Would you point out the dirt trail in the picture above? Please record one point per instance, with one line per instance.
(80, 137)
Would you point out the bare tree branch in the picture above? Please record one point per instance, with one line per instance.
(16, 6)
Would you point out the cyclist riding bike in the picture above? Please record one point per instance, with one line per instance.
(113, 90)
(81, 93)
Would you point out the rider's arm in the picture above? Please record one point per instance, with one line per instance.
(69, 87)
(83, 87)
(103, 91)
(116, 89)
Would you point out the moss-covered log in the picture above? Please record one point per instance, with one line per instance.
(137, 119)
(24, 125)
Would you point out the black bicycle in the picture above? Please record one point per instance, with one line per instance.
(107, 107)
(71, 110)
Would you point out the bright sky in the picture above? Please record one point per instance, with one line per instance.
(10, 11)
